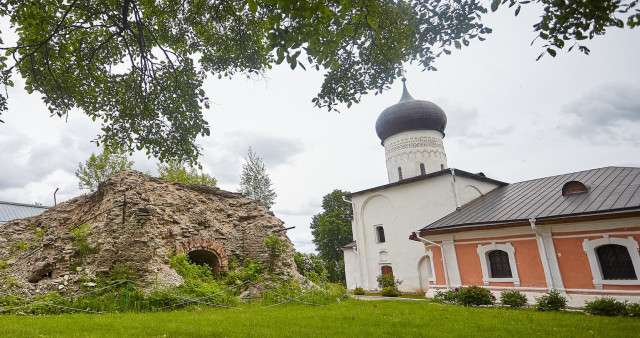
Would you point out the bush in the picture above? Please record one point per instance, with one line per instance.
(467, 296)
(606, 306)
(474, 296)
(390, 291)
(447, 296)
(633, 310)
(513, 299)
(388, 280)
(358, 291)
(552, 301)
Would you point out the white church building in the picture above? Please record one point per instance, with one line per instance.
(421, 190)
(435, 227)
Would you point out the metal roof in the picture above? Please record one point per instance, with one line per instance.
(609, 189)
(10, 211)
(350, 245)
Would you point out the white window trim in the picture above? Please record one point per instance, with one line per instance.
(590, 247)
(483, 251)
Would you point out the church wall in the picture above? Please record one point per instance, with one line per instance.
(351, 266)
(400, 210)
(573, 259)
(576, 280)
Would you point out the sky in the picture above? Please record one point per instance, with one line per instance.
(509, 116)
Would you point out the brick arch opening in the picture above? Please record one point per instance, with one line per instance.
(205, 257)
(203, 251)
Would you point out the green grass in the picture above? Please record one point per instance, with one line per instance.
(348, 318)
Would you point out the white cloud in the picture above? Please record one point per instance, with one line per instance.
(609, 113)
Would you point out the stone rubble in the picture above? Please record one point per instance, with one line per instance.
(160, 218)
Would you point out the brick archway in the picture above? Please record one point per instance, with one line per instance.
(199, 245)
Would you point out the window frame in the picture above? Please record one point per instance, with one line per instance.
(377, 234)
(590, 247)
(483, 255)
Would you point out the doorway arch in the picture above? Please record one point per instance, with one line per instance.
(203, 251)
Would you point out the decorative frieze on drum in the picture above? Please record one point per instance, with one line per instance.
(413, 144)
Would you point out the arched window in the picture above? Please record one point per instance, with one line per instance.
(573, 188)
(380, 234)
(499, 263)
(399, 174)
(423, 171)
(615, 262)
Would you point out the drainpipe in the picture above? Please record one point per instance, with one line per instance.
(444, 260)
(544, 251)
(455, 187)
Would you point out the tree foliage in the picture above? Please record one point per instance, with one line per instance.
(567, 23)
(99, 167)
(184, 173)
(138, 65)
(331, 230)
(254, 180)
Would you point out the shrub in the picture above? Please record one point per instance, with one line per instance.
(474, 296)
(276, 248)
(513, 299)
(390, 291)
(606, 306)
(447, 296)
(388, 280)
(189, 271)
(633, 309)
(552, 301)
(358, 291)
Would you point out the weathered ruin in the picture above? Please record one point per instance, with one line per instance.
(138, 220)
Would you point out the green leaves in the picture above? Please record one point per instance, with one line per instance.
(255, 182)
(141, 74)
(331, 230)
(184, 173)
(99, 168)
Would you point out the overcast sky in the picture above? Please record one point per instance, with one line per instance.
(508, 116)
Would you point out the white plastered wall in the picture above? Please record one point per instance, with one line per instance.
(400, 210)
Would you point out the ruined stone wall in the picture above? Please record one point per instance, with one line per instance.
(139, 220)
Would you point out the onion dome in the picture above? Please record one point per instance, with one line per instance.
(410, 114)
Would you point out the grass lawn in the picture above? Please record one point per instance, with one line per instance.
(348, 318)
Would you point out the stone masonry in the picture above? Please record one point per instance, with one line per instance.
(139, 220)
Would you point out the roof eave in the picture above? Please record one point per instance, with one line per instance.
(617, 213)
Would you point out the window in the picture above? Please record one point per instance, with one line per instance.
(380, 234)
(399, 173)
(423, 171)
(613, 261)
(573, 188)
(498, 263)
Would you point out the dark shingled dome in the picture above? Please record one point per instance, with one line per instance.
(410, 114)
